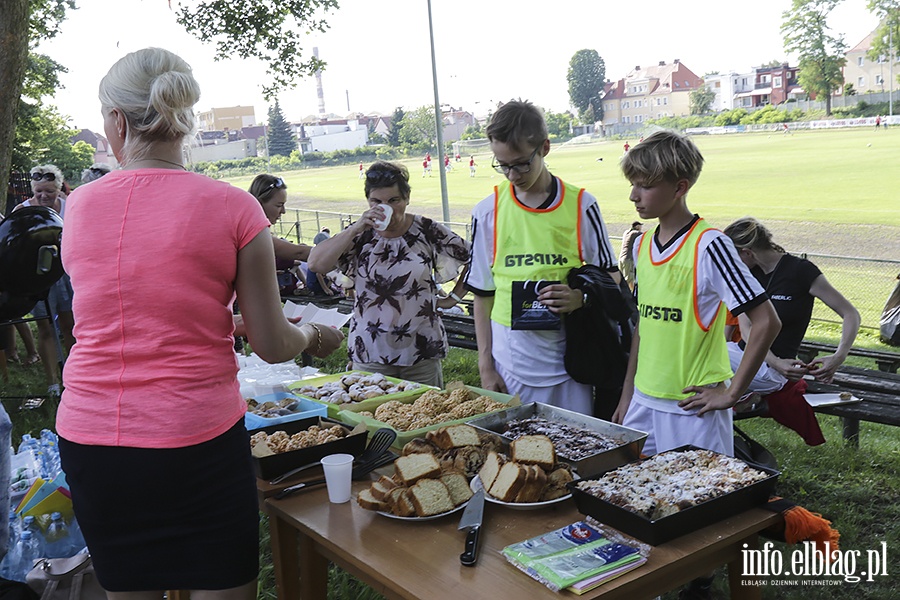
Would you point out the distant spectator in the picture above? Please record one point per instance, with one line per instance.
(47, 185)
(94, 172)
(322, 236)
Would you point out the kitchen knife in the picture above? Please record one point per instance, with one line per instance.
(471, 520)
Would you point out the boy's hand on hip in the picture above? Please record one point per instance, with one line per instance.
(560, 298)
(706, 399)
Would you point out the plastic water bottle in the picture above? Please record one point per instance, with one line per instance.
(22, 557)
(58, 540)
(30, 524)
(29, 443)
(50, 456)
(13, 529)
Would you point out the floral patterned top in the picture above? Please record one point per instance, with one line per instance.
(395, 319)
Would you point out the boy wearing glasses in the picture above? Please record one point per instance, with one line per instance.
(526, 236)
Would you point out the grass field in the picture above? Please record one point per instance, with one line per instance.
(827, 178)
(825, 192)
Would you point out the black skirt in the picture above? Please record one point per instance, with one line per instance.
(167, 519)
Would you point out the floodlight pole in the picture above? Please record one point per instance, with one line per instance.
(891, 87)
(445, 203)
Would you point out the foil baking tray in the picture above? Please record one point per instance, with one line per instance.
(632, 440)
(664, 529)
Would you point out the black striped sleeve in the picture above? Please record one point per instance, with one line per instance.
(598, 229)
(725, 263)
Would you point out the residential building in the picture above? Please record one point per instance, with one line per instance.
(648, 93)
(102, 151)
(383, 126)
(867, 75)
(230, 118)
(772, 85)
(455, 123)
(731, 90)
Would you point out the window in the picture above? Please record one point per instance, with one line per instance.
(765, 79)
(860, 82)
(882, 58)
(666, 100)
(860, 61)
(776, 82)
(879, 80)
(718, 84)
(625, 104)
(676, 84)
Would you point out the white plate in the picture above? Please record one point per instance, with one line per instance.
(476, 485)
(828, 399)
(431, 518)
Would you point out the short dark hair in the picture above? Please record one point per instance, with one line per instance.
(384, 174)
(518, 123)
(636, 225)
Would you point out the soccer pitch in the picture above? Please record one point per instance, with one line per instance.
(825, 179)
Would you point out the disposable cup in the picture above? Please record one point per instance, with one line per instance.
(338, 469)
(381, 225)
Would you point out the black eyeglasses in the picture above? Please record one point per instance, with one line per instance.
(520, 168)
(48, 176)
(277, 184)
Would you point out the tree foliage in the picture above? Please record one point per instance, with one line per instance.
(394, 134)
(701, 100)
(281, 139)
(23, 25)
(558, 124)
(43, 136)
(418, 130)
(272, 31)
(888, 32)
(806, 33)
(586, 75)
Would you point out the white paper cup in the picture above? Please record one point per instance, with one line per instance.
(338, 469)
(382, 225)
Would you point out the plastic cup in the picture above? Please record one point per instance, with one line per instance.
(338, 469)
(381, 225)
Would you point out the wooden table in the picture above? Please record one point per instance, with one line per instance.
(402, 559)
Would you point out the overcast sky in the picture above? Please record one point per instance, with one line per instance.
(379, 56)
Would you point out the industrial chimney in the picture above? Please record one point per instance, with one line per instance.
(319, 91)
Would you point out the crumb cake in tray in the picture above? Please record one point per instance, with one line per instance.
(589, 444)
(673, 493)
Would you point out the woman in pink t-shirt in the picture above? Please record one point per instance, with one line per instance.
(151, 427)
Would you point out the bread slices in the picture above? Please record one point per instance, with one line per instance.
(454, 436)
(431, 497)
(509, 482)
(458, 486)
(534, 450)
(493, 462)
(413, 467)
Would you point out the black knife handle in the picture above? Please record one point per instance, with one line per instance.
(296, 488)
(469, 557)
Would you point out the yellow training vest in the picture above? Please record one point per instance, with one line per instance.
(676, 349)
(532, 244)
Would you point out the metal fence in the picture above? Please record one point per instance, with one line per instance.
(866, 282)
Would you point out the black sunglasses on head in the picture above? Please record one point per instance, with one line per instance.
(382, 175)
(277, 184)
(45, 176)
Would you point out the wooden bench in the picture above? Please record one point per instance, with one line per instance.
(880, 394)
(886, 361)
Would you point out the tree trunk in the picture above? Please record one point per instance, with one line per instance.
(13, 58)
(828, 104)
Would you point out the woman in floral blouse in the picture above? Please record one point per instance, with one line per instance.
(396, 328)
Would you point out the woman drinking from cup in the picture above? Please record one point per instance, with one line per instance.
(396, 260)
